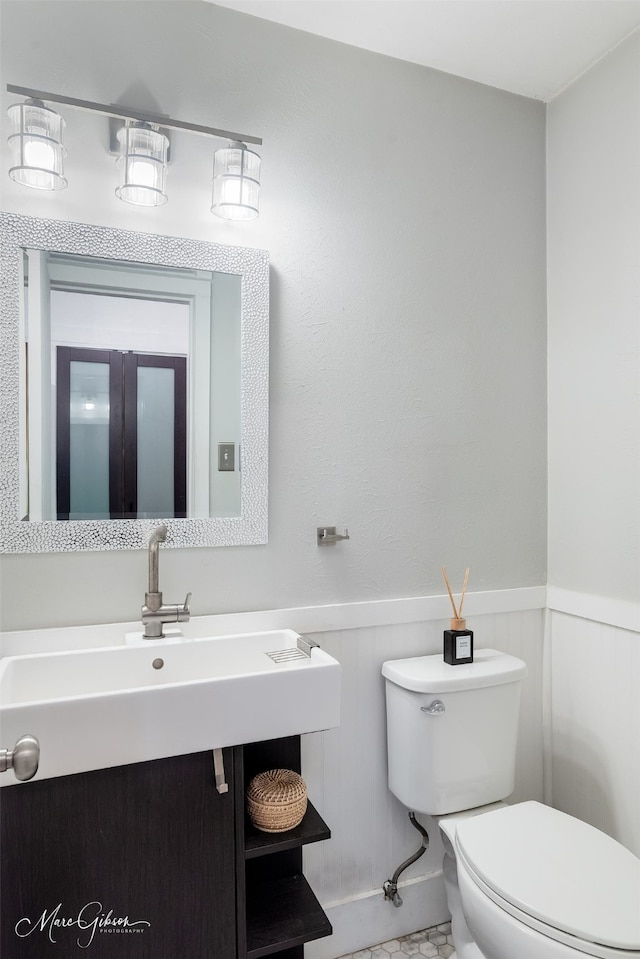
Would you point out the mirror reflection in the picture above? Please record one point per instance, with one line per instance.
(132, 390)
(159, 344)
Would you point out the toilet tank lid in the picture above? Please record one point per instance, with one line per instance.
(557, 869)
(430, 674)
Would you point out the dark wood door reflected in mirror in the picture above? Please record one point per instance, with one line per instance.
(121, 422)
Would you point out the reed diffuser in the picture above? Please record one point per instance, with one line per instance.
(458, 640)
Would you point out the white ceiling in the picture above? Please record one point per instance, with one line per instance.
(532, 47)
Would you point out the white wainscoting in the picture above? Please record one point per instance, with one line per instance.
(595, 721)
(591, 731)
(346, 773)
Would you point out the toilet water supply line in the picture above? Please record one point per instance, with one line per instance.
(390, 887)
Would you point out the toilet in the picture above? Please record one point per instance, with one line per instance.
(523, 881)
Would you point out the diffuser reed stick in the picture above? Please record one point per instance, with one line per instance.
(446, 581)
(457, 622)
(464, 589)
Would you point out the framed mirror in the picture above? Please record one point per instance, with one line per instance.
(134, 389)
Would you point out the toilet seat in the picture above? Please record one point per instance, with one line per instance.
(556, 874)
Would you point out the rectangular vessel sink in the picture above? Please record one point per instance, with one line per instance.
(95, 708)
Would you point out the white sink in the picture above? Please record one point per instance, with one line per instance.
(95, 708)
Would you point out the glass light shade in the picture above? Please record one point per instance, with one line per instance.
(37, 153)
(143, 165)
(236, 182)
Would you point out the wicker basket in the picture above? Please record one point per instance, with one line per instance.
(276, 800)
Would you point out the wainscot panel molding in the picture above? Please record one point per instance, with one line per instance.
(600, 609)
(304, 619)
(595, 718)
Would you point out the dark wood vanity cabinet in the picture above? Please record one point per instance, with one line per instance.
(150, 843)
(149, 861)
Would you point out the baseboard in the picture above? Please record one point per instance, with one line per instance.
(369, 919)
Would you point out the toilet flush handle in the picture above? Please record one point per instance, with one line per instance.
(434, 709)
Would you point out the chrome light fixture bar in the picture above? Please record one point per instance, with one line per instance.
(37, 153)
(127, 113)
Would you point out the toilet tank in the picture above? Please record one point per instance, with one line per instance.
(452, 730)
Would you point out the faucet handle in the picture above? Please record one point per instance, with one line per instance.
(184, 612)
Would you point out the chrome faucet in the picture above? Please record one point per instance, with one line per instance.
(154, 613)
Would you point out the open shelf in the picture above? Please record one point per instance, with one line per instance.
(281, 915)
(277, 909)
(313, 828)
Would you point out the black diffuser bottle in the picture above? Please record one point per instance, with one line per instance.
(458, 640)
(458, 643)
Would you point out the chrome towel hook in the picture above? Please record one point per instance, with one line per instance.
(327, 536)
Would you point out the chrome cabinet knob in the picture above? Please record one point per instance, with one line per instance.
(24, 758)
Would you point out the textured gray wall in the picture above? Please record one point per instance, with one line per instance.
(594, 330)
(404, 210)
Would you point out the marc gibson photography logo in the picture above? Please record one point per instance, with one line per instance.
(90, 920)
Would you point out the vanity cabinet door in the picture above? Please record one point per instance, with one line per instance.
(134, 862)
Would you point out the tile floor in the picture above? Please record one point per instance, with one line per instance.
(434, 943)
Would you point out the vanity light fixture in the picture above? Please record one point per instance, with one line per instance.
(143, 163)
(36, 146)
(37, 152)
(236, 182)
